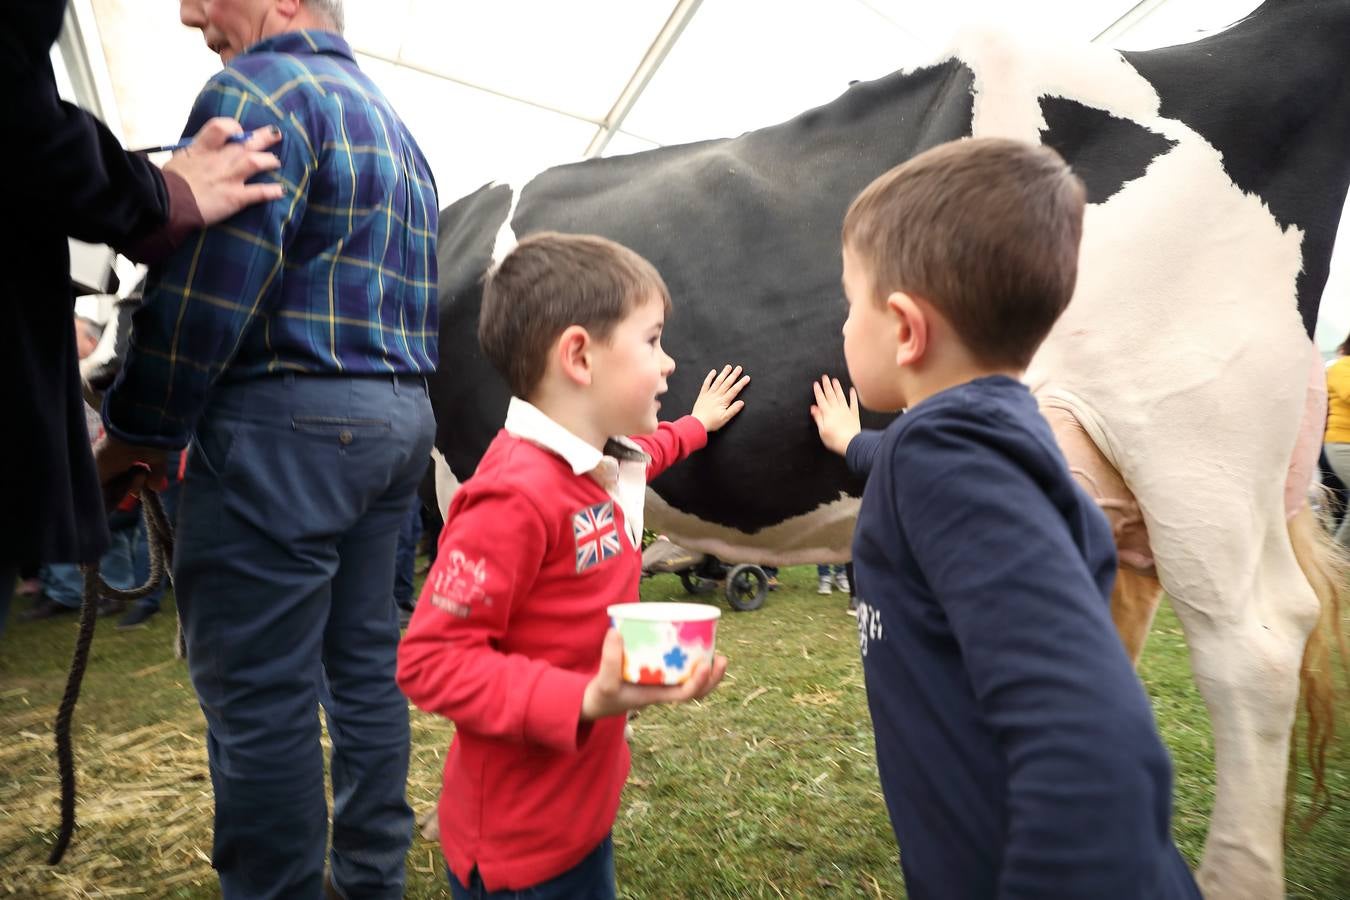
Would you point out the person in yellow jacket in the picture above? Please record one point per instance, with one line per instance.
(1337, 440)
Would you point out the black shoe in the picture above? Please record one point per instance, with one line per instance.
(46, 608)
(136, 617)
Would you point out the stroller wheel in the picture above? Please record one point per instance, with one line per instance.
(747, 586)
(696, 585)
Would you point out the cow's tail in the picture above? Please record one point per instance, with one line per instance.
(1327, 567)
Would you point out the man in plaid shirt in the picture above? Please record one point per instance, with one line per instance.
(291, 344)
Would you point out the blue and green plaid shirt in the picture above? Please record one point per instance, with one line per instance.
(336, 277)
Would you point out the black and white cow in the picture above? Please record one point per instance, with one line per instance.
(1181, 382)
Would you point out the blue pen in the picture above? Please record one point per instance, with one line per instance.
(186, 142)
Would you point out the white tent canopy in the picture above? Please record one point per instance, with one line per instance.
(499, 89)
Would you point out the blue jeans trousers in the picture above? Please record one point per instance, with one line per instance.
(590, 879)
(294, 494)
(64, 583)
(405, 557)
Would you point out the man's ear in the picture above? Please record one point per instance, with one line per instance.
(912, 328)
(573, 352)
(288, 9)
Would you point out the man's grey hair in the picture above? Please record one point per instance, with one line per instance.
(331, 9)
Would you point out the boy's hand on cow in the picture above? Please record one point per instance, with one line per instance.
(609, 695)
(836, 414)
(717, 404)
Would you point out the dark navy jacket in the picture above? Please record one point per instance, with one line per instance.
(67, 176)
(1017, 751)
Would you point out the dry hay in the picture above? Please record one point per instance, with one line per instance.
(145, 807)
(144, 812)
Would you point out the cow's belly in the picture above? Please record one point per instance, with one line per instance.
(823, 535)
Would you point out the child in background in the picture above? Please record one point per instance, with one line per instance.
(511, 638)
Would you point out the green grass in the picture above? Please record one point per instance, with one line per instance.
(766, 789)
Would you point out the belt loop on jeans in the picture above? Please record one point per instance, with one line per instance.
(396, 378)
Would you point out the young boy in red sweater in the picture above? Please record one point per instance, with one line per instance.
(511, 637)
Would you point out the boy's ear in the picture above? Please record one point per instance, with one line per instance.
(911, 328)
(574, 354)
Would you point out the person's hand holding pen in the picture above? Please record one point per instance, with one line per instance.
(217, 164)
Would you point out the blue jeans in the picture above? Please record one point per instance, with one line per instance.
(64, 583)
(822, 570)
(295, 491)
(590, 879)
(405, 558)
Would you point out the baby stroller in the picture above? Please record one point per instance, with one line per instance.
(745, 585)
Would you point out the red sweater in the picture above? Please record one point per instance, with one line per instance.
(505, 638)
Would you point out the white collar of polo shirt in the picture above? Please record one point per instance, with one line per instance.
(623, 479)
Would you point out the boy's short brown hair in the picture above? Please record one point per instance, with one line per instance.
(549, 282)
(986, 230)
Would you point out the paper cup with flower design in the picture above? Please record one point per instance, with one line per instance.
(662, 641)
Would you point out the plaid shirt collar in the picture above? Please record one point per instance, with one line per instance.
(302, 42)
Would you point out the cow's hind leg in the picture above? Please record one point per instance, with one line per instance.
(1246, 609)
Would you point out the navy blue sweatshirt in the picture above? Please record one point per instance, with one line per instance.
(1017, 751)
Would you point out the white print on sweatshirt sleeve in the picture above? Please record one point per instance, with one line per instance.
(458, 585)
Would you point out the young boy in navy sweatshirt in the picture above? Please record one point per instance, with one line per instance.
(511, 637)
(1016, 747)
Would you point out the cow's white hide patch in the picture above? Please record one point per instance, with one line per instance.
(824, 535)
(1012, 77)
(446, 483)
(1182, 350)
(506, 236)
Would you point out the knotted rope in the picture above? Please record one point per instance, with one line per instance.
(160, 539)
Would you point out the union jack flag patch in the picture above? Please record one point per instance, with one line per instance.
(596, 534)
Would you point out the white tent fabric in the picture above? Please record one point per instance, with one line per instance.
(500, 89)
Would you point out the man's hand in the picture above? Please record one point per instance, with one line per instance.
(216, 171)
(609, 695)
(114, 459)
(717, 404)
(836, 417)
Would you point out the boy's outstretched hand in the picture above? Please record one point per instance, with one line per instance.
(717, 404)
(609, 695)
(836, 416)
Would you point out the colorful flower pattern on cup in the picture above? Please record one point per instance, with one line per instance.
(662, 641)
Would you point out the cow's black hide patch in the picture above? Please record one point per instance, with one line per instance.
(746, 233)
(468, 395)
(1272, 95)
(1105, 151)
